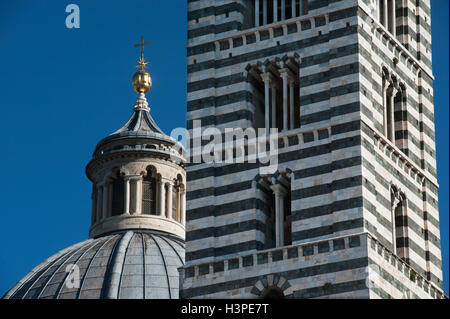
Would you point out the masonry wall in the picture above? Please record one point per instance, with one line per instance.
(342, 165)
(324, 154)
(413, 169)
(325, 269)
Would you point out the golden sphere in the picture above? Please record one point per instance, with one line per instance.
(142, 82)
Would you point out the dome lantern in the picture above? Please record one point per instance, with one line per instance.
(136, 238)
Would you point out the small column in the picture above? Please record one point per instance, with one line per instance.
(275, 10)
(256, 13)
(394, 205)
(393, 17)
(179, 203)
(105, 200)
(183, 206)
(274, 105)
(283, 9)
(301, 8)
(127, 195)
(284, 75)
(264, 12)
(162, 198)
(291, 104)
(293, 9)
(392, 132)
(281, 217)
(169, 199)
(299, 98)
(266, 78)
(137, 195)
(385, 13)
(99, 202)
(277, 217)
(377, 10)
(385, 107)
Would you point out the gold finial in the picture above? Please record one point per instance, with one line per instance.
(142, 63)
(142, 82)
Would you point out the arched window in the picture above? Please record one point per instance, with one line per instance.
(149, 192)
(278, 214)
(399, 224)
(178, 200)
(118, 193)
(390, 114)
(401, 119)
(275, 89)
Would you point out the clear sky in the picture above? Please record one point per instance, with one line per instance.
(62, 90)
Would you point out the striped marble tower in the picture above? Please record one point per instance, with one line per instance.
(352, 208)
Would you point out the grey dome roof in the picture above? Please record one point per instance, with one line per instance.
(133, 264)
(139, 125)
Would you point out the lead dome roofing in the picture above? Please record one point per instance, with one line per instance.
(132, 264)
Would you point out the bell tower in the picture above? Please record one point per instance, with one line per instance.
(351, 211)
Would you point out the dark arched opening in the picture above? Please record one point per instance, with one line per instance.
(272, 292)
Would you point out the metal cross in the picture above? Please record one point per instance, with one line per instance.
(142, 46)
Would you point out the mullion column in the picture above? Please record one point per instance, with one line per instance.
(393, 17)
(274, 105)
(265, 12)
(127, 195)
(392, 119)
(284, 76)
(291, 103)
(385, 109)
(275, 10)
(137, 194)
(266, 77)
(277, 218)
(169, 199)
(293, 9)
(281, 217)
(183, 206)
(256, 13)
(161, 199)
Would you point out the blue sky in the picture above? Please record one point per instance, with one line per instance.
(62, 90)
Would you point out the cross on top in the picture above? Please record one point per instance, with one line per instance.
(142, 62)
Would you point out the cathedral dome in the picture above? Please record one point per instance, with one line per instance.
(124, 265)
(138, 218)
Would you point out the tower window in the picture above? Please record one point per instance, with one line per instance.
(118, 193)
(262, 12)
(278, 215)
(149, 193)
(400, 240)
(276, 91)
